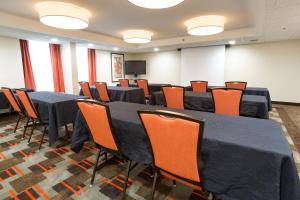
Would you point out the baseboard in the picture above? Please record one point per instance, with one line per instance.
(286, 103)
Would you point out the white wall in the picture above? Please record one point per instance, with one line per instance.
(11, 67)
(272, 65)
(162, 67)
(203, 63)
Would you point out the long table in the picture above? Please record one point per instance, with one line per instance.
(248, 91)
(56, 109)
(126, 94)
(244, 158)
(153, 87)
(252, 105)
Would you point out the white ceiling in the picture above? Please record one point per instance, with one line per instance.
(246, 20)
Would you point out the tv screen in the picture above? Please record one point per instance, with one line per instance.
(135, 67)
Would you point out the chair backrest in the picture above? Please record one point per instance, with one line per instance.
(12, 99)
(97, 117)
(124, 82)
(199, 86)
(236, 85)
(85, 87)
(174, 96)
(102, 90)
(143, 83)
(175, 142)
(227, 101)
(28, 104)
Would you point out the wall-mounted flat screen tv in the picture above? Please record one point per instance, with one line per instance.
(135, 67)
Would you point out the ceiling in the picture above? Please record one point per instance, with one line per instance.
(246, 20)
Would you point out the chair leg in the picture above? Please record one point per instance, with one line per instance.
(127, 176)
(95, 167)
(19, 118)
(25, 128)
(42, 139)
(174, 183)
(154, 184)
(67, 131)
(33, 126)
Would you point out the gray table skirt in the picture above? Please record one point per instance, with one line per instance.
(249, 91)
(56, 109)
(244, 158)
(252, 106)
(133, 95)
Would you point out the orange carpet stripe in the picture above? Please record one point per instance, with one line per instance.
(18, 170)
(78, 165)
(111, 183)
(23, 153)
(13, 195)
(198, 194)
(3, 156)
(81, 188)
(132, 180)
(89, 164)
(30, 195)
(70, 188)
(53, 151)
(9, 143)
(42, 167)
(8, 173)
(41, 192)
(120, 180)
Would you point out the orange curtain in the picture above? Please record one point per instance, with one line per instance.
(92, 66)
(27, 68)
(58, 75)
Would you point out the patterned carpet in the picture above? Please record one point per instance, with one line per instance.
(59, 173)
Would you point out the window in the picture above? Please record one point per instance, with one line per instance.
(82, 63)
(41, 65)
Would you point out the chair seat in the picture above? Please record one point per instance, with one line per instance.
(169, 176)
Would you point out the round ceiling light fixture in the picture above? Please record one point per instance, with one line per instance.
(137, 36)
(156, 4)
(63, 15)
(205, 25)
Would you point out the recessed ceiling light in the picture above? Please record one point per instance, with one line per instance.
(156, 4)
(205, 25)
(156, 49)
(116, 49)
(232, 42)
(63, 15)
(90, 45)
(137, 36)
(54, 40)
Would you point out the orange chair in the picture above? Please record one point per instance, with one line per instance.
(236, 85)
(14, 104)
(85, 87)
(174, 96)
(124, 82)
(143, 83)
(102, 91)
(174, 155)
(227, 101)
(199, 86)
(98, 119)
(31, 114)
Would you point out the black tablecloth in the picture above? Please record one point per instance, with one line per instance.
(56, 109)
(4, 104)
(153, 87)
(126, 94)
(252, 106)
(249, 91)
(244, 158)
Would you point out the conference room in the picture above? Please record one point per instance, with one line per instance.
(149, 99)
